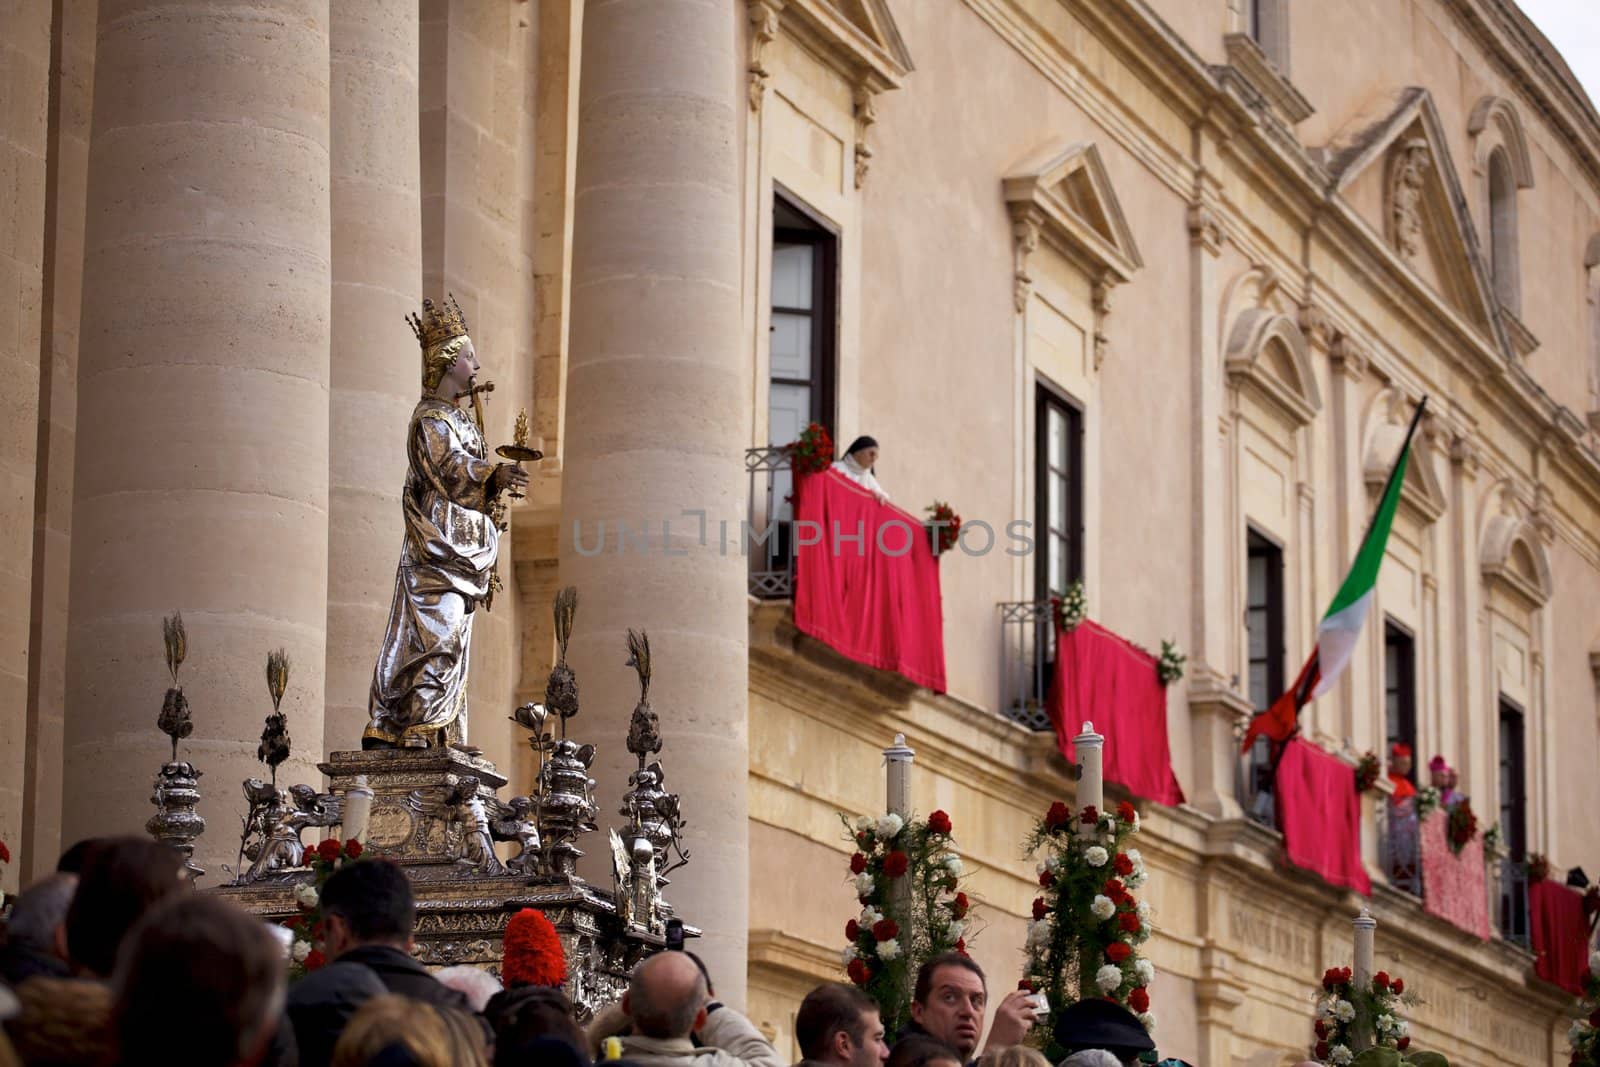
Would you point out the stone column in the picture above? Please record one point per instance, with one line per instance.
(376, 199)
(24, 106)
(202, 462)
(659, 424)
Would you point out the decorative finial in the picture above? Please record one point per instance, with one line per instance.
(174, 719)
(561, 692)
(644, 729)
(274, 747)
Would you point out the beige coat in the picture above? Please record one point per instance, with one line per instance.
(727, 1040)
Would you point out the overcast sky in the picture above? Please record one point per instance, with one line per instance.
(1573, 26)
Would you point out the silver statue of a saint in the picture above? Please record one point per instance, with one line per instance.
(452, 538)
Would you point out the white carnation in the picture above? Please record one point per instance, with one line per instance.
(1594, 964)
(1147, 1021)
(848, 953)
(889, 825)
(1095, 856)
(1038, 934)
(1324, 1009)
(863, 824)
(1108, 978)
(1102, 907)
(1344, 1011)
(1146, 971)
(888, 950)
(301, 950)
(1136, 879)
(1144, 910)
(952, 863)
(1049, 863)
(305, 895)
(1384, 1024)
(869, 915)
(1401, 1028)
(1133, 827)
(1339, 1056)
(957, 928)
(864, 884)
(1138, 860)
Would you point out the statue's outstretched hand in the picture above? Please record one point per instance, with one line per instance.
(508, 476)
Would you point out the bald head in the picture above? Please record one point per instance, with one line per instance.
(666, 996)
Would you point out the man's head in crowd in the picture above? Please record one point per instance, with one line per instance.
(119, 879)
(39, 916)
(919, 1051)
(367, 904)
(395, 1029)
(529, 1023)
(839, 1024)
(666, 996)
(223, 966)
(949, 1000)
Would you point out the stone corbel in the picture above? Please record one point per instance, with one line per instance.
(1316, 325)
(866, 115)
(763, 15)
(1464, 454)
(1025, 231)
(1101, 300)
(1349, 357)
(1205, 229)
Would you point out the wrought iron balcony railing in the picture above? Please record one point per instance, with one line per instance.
(1400, 847)
(1508, 902)
(1027, 661)
(769, 538)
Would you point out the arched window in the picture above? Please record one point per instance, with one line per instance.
(1503, 229)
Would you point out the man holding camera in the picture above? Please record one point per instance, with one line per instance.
(672, 1020)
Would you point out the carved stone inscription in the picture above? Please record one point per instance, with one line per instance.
(1286, 945)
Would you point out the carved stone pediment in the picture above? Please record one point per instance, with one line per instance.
(1398, 144)
(1422, 491)
(1066, 189)
(1267, 354)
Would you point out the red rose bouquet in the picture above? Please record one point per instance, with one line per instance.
(948, 530)
(1340, 1039)
(812, 452)
(1367, 772)
(324, 858)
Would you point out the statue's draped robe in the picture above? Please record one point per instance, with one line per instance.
(419, 686)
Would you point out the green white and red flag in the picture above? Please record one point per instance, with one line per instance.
(1341, 626)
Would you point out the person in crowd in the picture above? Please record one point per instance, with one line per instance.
(530, 1025)
(368, 915)
(398, 1030)
(68, 1020)
(36, 935)
(839, 1024)
(921, 1051)
(322, 1004)
(71, 861)
(673, 1020)
(1091, 1057)
(1013, 1056)
(1400, 773)
(857, 464)
(948, 1003)
(221, 965)
(474, 984)
(1096, 1024)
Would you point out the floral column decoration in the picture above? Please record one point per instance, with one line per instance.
(1087, 925)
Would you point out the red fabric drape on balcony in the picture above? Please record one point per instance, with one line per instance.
(1320, 814)
(1101, 678)
(1560, 935)
(868, 603)
(1455, 888)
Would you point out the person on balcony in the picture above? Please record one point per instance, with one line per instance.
(1400, 773)
(857, 465)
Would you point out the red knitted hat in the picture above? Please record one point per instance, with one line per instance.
(533, 952)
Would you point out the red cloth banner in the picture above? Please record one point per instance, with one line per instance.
(866, 580)
(1560, 935)
(1454, 887)
(1320, 814)
(1101, 678)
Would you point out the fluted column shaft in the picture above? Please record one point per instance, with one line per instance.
(658, 424)
(375, 371)
(201, 477)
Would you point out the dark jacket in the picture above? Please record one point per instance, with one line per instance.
(402, 974)
(915, 1029)
(321, 1003)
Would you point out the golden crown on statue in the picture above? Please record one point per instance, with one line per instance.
(438, 323)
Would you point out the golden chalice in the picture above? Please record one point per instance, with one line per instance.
(520, 450)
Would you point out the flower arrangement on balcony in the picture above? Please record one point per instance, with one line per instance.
(1491, 842)
(1427, 801)
(1087, 926)
(1367, 772)
(1169, 665)
(812, 452)
(944, 526)
(1071, 608)
(1462, 827)
(908, 881)
(304, 954)
(1365, 1018)
(1584, 1034)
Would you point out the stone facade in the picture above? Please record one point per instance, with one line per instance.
(1239, 248)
